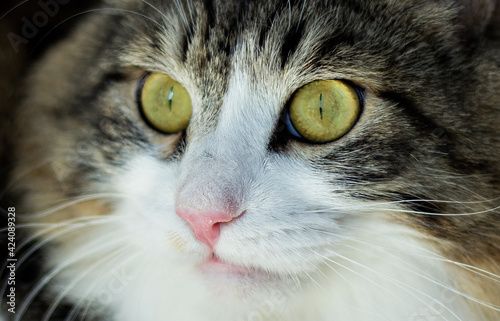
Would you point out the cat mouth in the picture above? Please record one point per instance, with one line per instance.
(215, 265)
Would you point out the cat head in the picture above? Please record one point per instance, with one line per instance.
(244, 199)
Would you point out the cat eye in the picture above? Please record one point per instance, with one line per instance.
(323, 110)
(165, 104)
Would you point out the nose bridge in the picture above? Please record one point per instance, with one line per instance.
(215, 176)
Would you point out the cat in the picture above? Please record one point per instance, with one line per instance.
(263, 160)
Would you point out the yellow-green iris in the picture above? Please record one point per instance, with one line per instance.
(166, 104)
(324, 110)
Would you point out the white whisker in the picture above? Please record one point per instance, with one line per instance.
(109, 11)
(81, 199)
(167, 19)
(69, 227)
(106, 259)
(92, 248)
(402, 286)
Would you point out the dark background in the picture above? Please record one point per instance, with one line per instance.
(27, 29)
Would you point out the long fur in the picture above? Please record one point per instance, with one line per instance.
(397, 220)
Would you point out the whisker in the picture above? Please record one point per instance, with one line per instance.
(377, 207)
(491, 276)
(98, 10)
(88, 306)
(66, 230)
(40, 244)
(51, 225)
(420, 200)
(107, 259)
(434, 281)
(292, 275)
(90, 197)
(327, 259)
(182, 15)
(328, 294)
(326, 277)
(402, 286)
(56, 270)
(13, 8)
(191, 11)
(432, 255)
(159, 11)
(301, 15)
(27, 226)
(14, 180)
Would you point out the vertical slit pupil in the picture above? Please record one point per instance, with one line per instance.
(170, 97)
(320, 107)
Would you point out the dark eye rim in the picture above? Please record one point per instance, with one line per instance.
(292, 131)
(140, 85)
(138, 100)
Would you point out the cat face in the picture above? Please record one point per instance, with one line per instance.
(245, 214)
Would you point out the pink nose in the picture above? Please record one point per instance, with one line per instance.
(206, 226)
